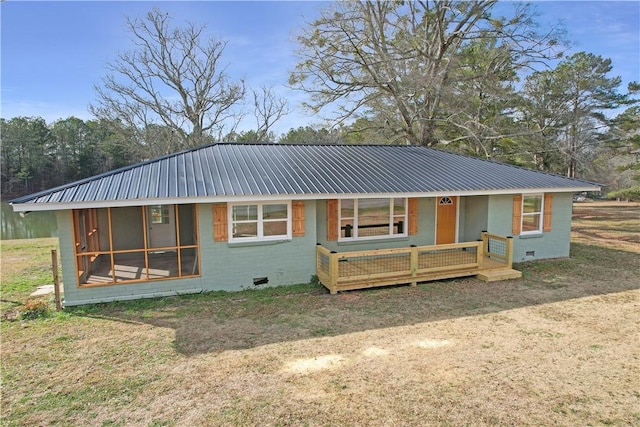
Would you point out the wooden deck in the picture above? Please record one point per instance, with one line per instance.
(489, 259)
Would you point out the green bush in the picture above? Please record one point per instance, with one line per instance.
(632, 193)
(34, 309)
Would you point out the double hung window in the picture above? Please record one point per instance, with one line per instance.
(532, 209)
(372, 218)
(260, 221)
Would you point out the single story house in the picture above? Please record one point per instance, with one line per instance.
(231, 216)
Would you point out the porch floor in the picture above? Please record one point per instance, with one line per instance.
(366, 269)
(133, 268)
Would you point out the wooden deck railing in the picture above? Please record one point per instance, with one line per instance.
(381, 267)
(498, 248)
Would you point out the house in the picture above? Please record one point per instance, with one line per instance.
(231, 216)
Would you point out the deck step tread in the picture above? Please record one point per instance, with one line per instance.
(501, 274)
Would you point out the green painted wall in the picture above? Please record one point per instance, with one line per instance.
(233, 267)
(553, 244)
(474, 212)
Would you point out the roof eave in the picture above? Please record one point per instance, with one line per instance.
(32, 207)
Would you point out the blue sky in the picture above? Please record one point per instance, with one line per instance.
(54, 52)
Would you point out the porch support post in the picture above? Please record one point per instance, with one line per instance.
(485, 241)
(414, 265)
(480, 252)
(509, 251)
(334, 271)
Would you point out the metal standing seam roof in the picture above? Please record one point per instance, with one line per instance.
(230, 171)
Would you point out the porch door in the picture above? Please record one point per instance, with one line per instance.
(446, 215)
(161, 226)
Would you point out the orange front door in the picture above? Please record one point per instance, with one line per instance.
(446, 220)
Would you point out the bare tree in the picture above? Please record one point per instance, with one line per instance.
(268, 109)
(172, 78)
(403, 60)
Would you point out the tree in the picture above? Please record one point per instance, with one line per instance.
(174, 79)
(566, 106)
(268, 109)
(311, 135)
(26, 165)
(403, 60)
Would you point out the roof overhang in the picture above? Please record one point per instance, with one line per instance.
(32, 207)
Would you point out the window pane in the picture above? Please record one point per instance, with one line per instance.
(346, 208)
(378, 230)
(248, 229)
(245, 213)
(159, 214)
(531, 222)
(532, 204)
(346, 228)
(275, 228)
(373, 212)
(399, 206)
(274, 212)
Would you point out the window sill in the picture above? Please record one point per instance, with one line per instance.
(531, 236)
(372, 241)
(258, 242)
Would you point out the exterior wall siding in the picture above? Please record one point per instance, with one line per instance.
(224, 266)
(232, 267)
(474, 212)
(552, 244)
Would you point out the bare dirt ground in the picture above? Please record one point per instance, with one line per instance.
(558, 347)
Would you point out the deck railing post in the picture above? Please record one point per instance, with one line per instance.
(509, 253)
(480, 252)
(334, 272)
(485, 241)
(414, 265)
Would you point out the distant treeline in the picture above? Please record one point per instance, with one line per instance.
(37, 155)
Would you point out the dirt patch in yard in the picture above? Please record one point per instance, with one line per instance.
(557, 347)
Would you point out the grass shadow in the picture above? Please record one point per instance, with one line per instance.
(220, 321)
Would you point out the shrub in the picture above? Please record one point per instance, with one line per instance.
(632, 193)
(34, 309)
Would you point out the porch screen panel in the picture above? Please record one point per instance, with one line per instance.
(187, 225)
(127, 231)
(119, 253)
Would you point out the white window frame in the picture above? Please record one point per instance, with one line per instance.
(392, 219)
(541, 214)
(260, 237)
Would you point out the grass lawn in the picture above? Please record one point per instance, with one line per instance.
(557, 347)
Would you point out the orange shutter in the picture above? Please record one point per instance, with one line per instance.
(413, 216)
(220, 223)
(516, 226)
(548, 204)
(298, 218)
(332, 219)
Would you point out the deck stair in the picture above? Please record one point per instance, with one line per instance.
(499, 274)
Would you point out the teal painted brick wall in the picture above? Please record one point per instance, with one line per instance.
(474, 213)
(552, 244)
(74, 295)
(233, 267)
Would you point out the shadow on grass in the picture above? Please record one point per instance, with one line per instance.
(219, 321)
